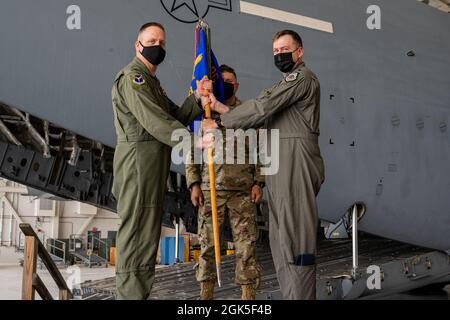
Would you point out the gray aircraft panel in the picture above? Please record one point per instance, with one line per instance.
(384, 114)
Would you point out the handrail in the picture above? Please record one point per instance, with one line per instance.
(56, 248)
(105, 244)
(358, 210)
(72, 241)
(31, 281)
(90, 244)
(355, 239)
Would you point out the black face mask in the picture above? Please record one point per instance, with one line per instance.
(228, 90)
(284, 61)
(154, 54)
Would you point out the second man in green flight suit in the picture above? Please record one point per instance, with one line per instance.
(292, 108)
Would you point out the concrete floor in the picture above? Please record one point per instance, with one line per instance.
(11, 279)
(11, 275)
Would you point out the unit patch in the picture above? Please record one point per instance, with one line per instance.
(139, 79)
(292, 77)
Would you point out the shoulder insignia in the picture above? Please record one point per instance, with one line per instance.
(292, 77)
(138, 79)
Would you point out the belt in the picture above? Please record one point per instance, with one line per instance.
(141, 138)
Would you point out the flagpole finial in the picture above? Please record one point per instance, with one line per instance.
(202, 24)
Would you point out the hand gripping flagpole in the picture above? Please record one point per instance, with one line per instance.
(212, 180)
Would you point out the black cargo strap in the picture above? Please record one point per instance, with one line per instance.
(305, 259)
(141, 138)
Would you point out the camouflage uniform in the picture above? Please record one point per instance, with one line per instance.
(233, 185)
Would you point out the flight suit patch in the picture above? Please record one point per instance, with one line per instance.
(138, 79)
(292, 77)
(138, 82)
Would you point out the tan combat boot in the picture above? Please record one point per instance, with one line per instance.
(248, 292)
(206, 290)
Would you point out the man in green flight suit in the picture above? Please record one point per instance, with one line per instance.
(144, 118)
(239, 189)
(292, 106)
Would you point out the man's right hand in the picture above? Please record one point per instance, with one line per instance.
(204, 86)
(197, 195)
(217, 106)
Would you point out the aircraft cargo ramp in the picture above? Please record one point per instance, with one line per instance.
(403, 267)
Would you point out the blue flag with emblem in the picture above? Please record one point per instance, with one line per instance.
(201, 70)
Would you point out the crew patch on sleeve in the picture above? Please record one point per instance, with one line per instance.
(292, 77)
(138, 79)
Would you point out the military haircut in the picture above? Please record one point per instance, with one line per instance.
(225, 68)
(150, 24)
(291, 33)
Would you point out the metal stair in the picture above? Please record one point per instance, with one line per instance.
(89, 259)
(57, 254)
(87, 256)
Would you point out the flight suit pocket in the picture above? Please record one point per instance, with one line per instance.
(152, 164)
(124, 186)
